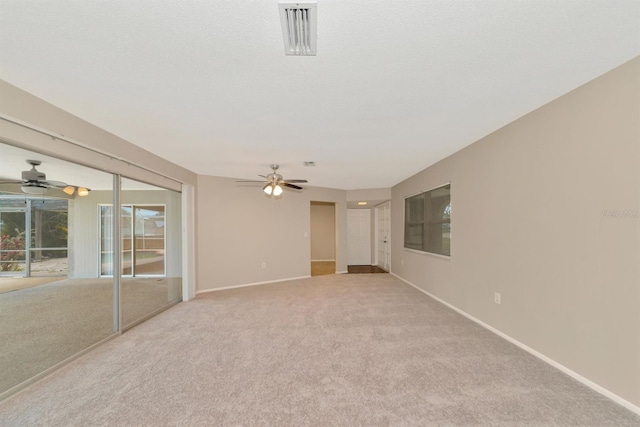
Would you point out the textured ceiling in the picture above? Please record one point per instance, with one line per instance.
(395, 87)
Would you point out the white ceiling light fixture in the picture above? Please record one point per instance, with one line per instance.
(299, 28)
(274, 189)
(34, 189)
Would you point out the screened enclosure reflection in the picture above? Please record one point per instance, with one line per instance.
(37, 226)
(13, 247)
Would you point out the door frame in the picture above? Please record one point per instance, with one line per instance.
(385, 205)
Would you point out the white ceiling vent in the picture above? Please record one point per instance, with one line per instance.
(299, 28)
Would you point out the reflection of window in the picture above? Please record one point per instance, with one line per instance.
(106, 240)
(143, 239)
(427, 223)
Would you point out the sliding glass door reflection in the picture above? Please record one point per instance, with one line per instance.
(53, 303)
(151, 250)
(59, 257)
(143, 240)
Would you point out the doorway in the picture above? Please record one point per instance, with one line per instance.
(323, 238)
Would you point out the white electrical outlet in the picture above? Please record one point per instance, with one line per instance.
(264, 265)
(496, 298)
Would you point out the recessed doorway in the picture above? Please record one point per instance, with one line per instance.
(323, 238)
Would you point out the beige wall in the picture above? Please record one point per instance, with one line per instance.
(366, 194)
(323, 234)
(529, 220)
(239, 228)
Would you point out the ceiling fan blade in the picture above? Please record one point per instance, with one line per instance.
(301, 181)
(286, 184)
(12, 182)
(56, 184)
(262, 176)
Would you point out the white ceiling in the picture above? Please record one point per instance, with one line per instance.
(395, 87)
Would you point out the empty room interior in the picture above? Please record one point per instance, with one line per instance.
(264, 213)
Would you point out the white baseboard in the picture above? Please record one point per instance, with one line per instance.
(598, 388)
(323, 260)
(204, 291)
(342, 272)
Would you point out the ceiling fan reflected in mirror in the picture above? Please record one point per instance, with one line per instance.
(274, 182)
(35, 182)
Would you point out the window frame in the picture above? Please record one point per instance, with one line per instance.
(132, 228)
(424, 247)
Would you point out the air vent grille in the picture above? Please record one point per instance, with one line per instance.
(299, 28)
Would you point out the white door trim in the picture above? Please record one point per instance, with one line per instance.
(383, 226)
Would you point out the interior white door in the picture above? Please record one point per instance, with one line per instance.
(359, 236)
(383, 235)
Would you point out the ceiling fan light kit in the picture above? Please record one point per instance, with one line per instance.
(274, 189)
(274, 182)
(81, 191)
(35, 182)
(35, 190)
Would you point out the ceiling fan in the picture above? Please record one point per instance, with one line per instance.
(35, 182)
(274, 182)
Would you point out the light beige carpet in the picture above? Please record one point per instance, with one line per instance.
(43, 325)
(339, 350)
(10, 284)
